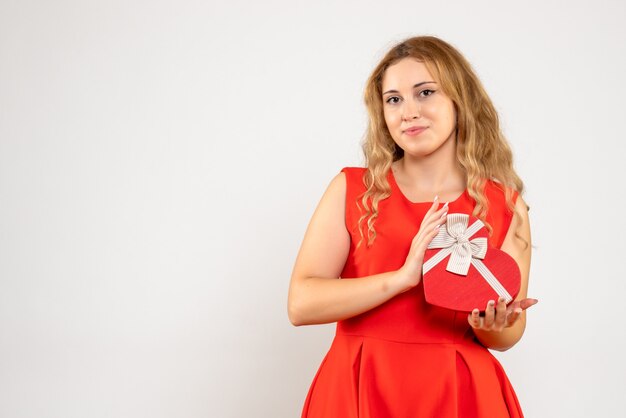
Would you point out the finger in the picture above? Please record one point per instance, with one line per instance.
(435, 211)
(434, 206)
(429, 230)
(435, 219)
(522, 304)
(527, 303)
(513, 306)
(429, 220)
(426, 238)
(513, 317)
(441, 212)
(444, 212)
(474, 318)
(489, 315)
(425, 231)
(500, 313)
(430, 227)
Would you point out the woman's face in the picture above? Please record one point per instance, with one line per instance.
(420, 117)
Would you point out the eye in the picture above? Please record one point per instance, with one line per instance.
(430, 92)
(393, 100)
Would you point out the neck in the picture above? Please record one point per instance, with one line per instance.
(437, 171)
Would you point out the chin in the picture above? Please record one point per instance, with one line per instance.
(419, 153)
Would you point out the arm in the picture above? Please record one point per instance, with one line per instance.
(317, 295)
(502, 328)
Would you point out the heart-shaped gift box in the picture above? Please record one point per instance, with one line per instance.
(462, 272)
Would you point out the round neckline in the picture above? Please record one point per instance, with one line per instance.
(401, 193)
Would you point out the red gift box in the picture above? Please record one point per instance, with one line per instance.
(462, 272)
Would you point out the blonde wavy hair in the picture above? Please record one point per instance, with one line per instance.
(482, 149)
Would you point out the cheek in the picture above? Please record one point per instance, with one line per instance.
(434, 110)
(451, 113)
(441, 112)
(391, 118)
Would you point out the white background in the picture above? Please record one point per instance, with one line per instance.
(160, 161)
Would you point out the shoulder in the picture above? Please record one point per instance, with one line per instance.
(338, 183)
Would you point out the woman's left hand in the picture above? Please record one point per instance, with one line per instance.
(499, 317)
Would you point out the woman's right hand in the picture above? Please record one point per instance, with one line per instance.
(410, 274)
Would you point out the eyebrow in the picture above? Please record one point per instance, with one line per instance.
(417, 85)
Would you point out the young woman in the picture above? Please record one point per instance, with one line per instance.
(433, 137)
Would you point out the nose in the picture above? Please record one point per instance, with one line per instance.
(410, 110)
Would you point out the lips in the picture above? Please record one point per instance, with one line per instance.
(414, 130)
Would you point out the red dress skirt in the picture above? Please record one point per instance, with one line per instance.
(407, 358)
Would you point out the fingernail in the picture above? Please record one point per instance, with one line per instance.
(502, 300)
(436, 197)
(491, 303)
(446, 205)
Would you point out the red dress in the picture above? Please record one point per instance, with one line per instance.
(407, 358)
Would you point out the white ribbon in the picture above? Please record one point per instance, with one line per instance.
(455, 240)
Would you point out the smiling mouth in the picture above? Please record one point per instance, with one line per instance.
(414, 131)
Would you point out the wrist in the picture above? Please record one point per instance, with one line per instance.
(403, 279)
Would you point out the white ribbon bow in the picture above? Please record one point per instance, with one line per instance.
(455, 239)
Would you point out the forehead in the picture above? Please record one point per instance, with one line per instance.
(405, 74)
